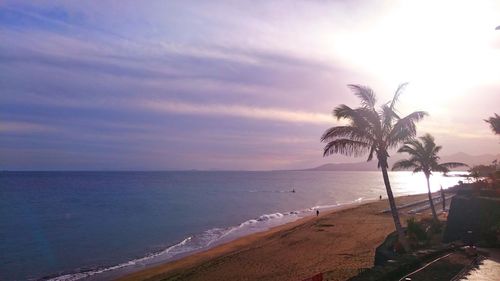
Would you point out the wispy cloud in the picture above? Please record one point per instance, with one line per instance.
(255, 80)
(241, 111)
(24, 127)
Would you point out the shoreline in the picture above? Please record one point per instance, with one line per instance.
(146, 262)
(153, 230)
(258, 251)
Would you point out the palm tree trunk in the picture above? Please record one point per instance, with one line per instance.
(434, 215)
(394, 210)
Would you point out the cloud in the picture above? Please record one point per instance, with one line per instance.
(241, 111)
(24, 127)
(210, 84)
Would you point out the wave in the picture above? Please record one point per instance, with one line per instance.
(203, 241)
(89, 273)
(326, 207)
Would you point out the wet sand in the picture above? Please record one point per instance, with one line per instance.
(343, 240)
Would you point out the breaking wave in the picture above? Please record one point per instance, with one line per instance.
(202, 241)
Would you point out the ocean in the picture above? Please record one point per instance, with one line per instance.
(100, 225)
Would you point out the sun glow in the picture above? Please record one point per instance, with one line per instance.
(442, 48)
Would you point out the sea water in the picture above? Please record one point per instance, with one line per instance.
(99, 225)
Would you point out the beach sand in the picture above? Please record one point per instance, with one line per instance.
(343, 240)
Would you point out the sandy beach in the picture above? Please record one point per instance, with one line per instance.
(342, 240)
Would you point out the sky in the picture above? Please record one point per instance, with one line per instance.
(233, 85)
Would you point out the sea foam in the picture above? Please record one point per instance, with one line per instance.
(198, 242)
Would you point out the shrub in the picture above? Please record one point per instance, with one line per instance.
(415, 231)
(436, 226)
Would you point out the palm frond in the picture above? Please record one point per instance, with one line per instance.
(372, 117)
(343, 112)
(387, 111)
(370, 154)
(405, 128)
(451, 165)
(346, 147)
(365, 94)
(418, 169)
(349, 132)
(400, 137)
(427, 139)
(398, 92)
(415, 116)
(439, 168)
(409, 148)
(404, 165)
(388, 115)
(494, 123)
(428, 143)
(358, 117)
(436, 150)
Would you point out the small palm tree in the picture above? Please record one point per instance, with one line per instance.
(373, 132)
(424, 158)
(494, 123)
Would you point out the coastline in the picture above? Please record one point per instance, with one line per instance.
(279, 213)
(343, 239)
(174, 252)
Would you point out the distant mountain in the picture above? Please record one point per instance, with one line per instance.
(470, 160)
(359, 166)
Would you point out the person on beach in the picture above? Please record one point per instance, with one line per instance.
(380, 197)
(317, 212)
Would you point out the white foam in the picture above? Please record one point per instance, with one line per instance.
(270, 217)
(205, 240)
(81, 275)
(323, 207)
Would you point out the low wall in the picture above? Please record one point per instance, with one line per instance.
(481, 215)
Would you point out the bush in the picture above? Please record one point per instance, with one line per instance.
(415, 231)
(436, 226)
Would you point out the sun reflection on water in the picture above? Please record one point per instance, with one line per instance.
(409, 183)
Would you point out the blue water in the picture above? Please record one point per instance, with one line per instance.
(62, 223)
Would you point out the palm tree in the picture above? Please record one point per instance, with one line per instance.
(371, 131)
(494, 123)
(424, 158)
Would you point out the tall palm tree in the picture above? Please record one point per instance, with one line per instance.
(494, 123)
(373, 132)
(424, 158)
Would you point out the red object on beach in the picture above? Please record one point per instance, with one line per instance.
(317, 277)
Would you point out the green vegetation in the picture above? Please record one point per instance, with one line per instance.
(424, 158)
(486, 175)
(415, 231)
(483, 170)
(424, 233)
(373, 132)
